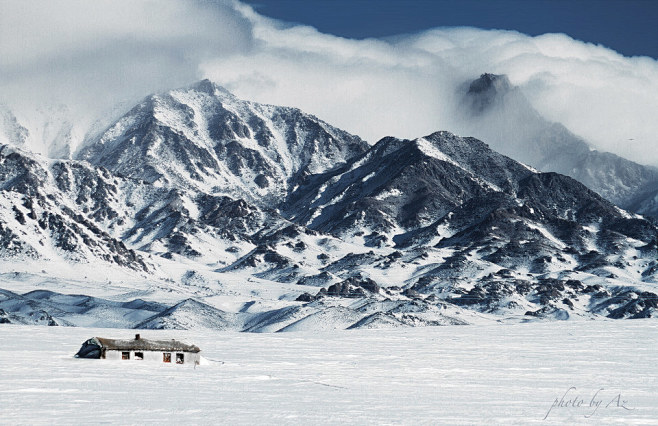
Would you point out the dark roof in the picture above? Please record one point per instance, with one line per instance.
(146, 345)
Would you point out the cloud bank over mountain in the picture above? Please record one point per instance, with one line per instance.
(92, 56)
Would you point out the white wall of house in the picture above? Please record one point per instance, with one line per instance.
(154, 356)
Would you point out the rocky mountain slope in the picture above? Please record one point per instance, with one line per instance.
(45, 213)
(236, 215)
(496, 111)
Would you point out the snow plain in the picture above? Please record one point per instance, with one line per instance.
(493, 374)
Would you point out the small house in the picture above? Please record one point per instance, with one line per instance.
(165, 351)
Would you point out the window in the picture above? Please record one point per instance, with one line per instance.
(180, 358)
(139, 355)
(125, 355)
(166, 357)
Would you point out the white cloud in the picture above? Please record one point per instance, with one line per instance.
(405, 86)
(91, 55)
(101, 52)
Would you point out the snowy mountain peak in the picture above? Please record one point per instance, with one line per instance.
(209, 87)
(205, 139)
(484, 90)
(490, 82)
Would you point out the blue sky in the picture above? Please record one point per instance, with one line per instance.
(628, 26)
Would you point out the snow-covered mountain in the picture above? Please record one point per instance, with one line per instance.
(494, 110)
(402, 185)
(234, 215)
(205, 139)
(468, 218)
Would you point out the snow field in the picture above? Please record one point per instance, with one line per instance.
(501, 374)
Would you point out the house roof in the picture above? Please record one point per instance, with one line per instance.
(146, 345)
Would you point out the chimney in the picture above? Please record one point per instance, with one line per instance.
(137, 336)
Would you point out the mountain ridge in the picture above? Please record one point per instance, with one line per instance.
(436, 230)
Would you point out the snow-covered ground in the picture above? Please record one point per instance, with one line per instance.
(508, 374)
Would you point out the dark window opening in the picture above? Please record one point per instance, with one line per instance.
(125, 355)
(180, 358)
(166, 357)
(139, 355)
